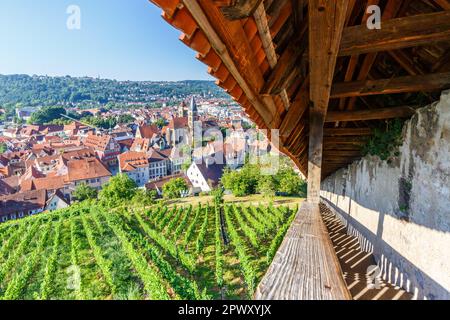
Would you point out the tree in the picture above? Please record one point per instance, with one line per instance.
(186, 164)
(144, 197)
(243, 182)
(160, 123)
(267, 186)
(117, 190)
(174, 188)
(47, 115)
(290, 183)
(3, 147)
(84, 192)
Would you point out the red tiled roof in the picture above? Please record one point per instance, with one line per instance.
(156, 156)
(147, 131)
(99, 143)
(141, 144)
(131, 160)
(23, 202)
(84, 169)
(178, 123)
(47, 183)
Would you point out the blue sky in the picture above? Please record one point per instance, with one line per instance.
(119, 39)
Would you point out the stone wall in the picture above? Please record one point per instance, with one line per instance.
(400, 209)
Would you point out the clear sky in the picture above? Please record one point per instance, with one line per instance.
(118, 39)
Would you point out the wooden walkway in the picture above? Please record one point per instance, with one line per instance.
(305, 267)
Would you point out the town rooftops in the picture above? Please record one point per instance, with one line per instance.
(156, 155)
(211, 172)
(131, 160)
(141, 144)
(178, 123)
(46, 183)
(84, 169)
(23, 202)
(97, 142)
(147, 131)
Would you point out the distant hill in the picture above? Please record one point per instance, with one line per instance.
(46, 91)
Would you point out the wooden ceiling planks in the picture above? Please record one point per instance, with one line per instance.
(261, 56)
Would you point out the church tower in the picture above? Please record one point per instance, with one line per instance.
(192, 117)
(182, 110)
(192, 113)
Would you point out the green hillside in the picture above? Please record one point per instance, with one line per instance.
(91, 252)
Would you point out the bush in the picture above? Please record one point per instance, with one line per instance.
(84, 192)
(47, 115)
(385, 141)
(144, 197)
(174, 188)
(243, 182)
(267, 186)
(118, 189)
(290, 183)
(249, 180)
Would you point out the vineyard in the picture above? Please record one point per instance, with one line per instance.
(90, 252)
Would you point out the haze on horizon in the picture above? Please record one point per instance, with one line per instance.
(118, 40)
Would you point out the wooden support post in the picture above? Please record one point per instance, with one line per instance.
(326, 23)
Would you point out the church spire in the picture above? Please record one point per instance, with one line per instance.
(193, 105)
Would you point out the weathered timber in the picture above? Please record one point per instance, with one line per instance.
(298, 107)
(430, 82)
(373, 114)
(339, 132)
(305, 266)
(412, 31)
(240, 9)
(326, 22)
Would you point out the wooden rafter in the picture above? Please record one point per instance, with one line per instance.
(375, 114)
(240, 9)
(430, 82)
(267, 42)
(412, 31)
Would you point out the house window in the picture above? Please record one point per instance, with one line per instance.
(21, 215)
(4, 218)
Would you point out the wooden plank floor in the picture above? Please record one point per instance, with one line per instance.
(305, 266)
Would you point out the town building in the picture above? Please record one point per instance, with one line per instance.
(136, 166)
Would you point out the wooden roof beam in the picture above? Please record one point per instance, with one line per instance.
(267, 42)
(374, 114)
(279, 75)
(444, 4)
(298, 108)
(430, 82)
(411, 31)
(339, 132)
(413, 68)
(240, 9)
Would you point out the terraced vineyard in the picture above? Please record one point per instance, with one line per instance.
(90, 252)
